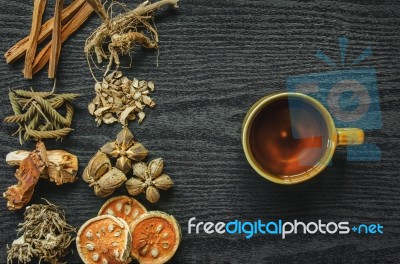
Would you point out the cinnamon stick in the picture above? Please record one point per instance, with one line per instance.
(19, 49)
(55, 40)
(67, 30)
(38, 10)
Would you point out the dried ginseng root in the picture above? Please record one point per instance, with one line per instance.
(45, 235)
(104, 239)
(119, 99)
(57, 166)
(123, 32)
(37, 114)
(149, 179)
(156, 237)
(123, 207)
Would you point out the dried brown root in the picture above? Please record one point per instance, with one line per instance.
(28, 175)
(63, 166)
(123, 32)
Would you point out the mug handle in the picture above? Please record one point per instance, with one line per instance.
(349, 136)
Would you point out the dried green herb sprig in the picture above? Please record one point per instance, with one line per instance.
(45, 235)
(37, 114)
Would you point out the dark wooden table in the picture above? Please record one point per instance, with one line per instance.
(216, 59)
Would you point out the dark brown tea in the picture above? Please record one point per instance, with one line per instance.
(288, 137)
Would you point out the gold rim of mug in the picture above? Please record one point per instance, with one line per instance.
(324, 161)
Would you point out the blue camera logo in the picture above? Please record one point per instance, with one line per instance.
(351, 96)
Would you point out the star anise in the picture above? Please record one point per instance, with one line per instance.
(149, 179)
(125, 149)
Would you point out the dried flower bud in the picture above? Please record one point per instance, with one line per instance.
(155, 167)
(137, 152)
(163, 182)
(152, 194)
(134, 186)
(139, 170)
(124, 164)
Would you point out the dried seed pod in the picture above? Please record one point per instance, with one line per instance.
(110, 149)
(155, 167)
(124, 164)
(139, 170)
(137, 152)
(135, 186)
(163, 182)
(98, 165)
(105, 246)
(155, 224)
(113, 179)
(152, 194)
(123, 207)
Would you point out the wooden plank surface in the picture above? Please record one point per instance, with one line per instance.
(216, 59)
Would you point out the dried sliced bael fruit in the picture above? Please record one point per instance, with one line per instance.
(124, 207)
(155, 237)
(104, 239)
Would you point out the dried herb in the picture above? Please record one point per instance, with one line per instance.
(125, 149)
(19, 49)
(57, 166)
(124, 31)
(119, 99)
(38, 10)
(159, 225)
(104, 178)
(104, 239)
(45, 235)
(56, 39)
(37, 114)
(149, 179)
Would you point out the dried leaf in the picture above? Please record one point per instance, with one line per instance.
(124, 114)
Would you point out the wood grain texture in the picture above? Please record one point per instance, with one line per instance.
(216, 59)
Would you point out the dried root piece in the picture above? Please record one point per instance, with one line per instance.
(124, 31)
(123, 207)
(159, 225)
(104, 239)
(63, 166)
(119, 99)
(57, 166)
(149, 179)
(37, 114)
(28, 175)
(45, 235)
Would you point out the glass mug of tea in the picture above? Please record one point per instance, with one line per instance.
(289, 138)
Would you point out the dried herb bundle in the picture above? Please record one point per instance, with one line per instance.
(45, 235)
(37, 114)
(119, 99)
(124, 31)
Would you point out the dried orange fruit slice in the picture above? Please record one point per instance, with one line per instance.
(124, 207)
(104, 239)
(155, 237)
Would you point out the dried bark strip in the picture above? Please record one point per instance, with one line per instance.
(67, 30)
(19, 49)
(56, 39)
(38, 10)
